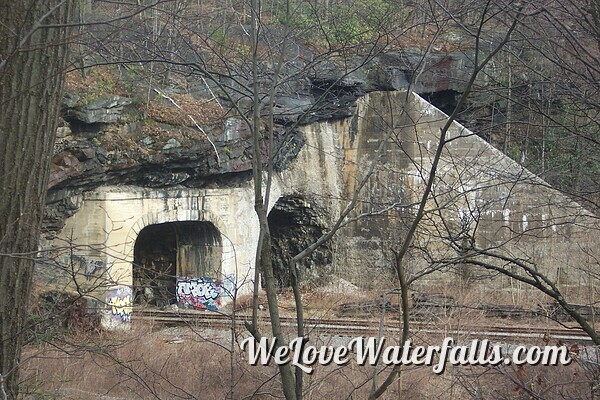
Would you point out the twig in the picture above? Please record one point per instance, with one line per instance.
(214, 97)
(33, 29)
(193, 120)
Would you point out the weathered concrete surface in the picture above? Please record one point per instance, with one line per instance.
(479, 193)
(109, 219)
(504, 207)
(482, 193)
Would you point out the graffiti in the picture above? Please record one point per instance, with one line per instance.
(119, 301)
(89, 267)
(93, 267)
(228, 285)
(200, 293)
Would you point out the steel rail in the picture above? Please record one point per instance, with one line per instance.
(360, 327)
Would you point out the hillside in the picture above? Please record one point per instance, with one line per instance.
(303, 172)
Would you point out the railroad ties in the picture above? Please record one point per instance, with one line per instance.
(428, 306)
(358, 325)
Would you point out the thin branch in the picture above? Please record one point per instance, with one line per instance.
(193, 120)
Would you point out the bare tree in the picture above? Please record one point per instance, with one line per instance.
(34, 46)
(246, 66)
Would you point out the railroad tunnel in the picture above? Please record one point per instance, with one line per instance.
(294, 224)
(167, 253)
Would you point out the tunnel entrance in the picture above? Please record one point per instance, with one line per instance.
(169, 256)
(294, 225)
(445, 100)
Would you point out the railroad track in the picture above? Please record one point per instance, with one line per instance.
(354, 327)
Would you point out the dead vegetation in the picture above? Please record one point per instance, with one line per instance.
(195, 363)
(189, 113)
(140, 364)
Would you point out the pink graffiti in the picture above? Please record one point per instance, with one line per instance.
(200, 293)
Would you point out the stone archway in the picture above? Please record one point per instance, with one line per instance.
(112, 218)
(295, 223)
(170, 255)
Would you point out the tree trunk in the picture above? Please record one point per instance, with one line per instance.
(32, 61)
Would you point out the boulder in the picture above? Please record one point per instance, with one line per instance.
(172, 144)
(105, 110)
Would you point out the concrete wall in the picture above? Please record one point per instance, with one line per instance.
(107, 224)
(481, 191)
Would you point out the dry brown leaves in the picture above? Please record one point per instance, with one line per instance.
(203, 112)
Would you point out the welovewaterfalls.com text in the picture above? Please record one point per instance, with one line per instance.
(373, 351)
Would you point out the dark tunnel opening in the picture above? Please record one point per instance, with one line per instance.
(445, 100)
(165, 252)
(294, 225)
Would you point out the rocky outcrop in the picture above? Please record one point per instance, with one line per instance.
(143, 154)
(328, 90)
(106, 141)
(105, 110)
